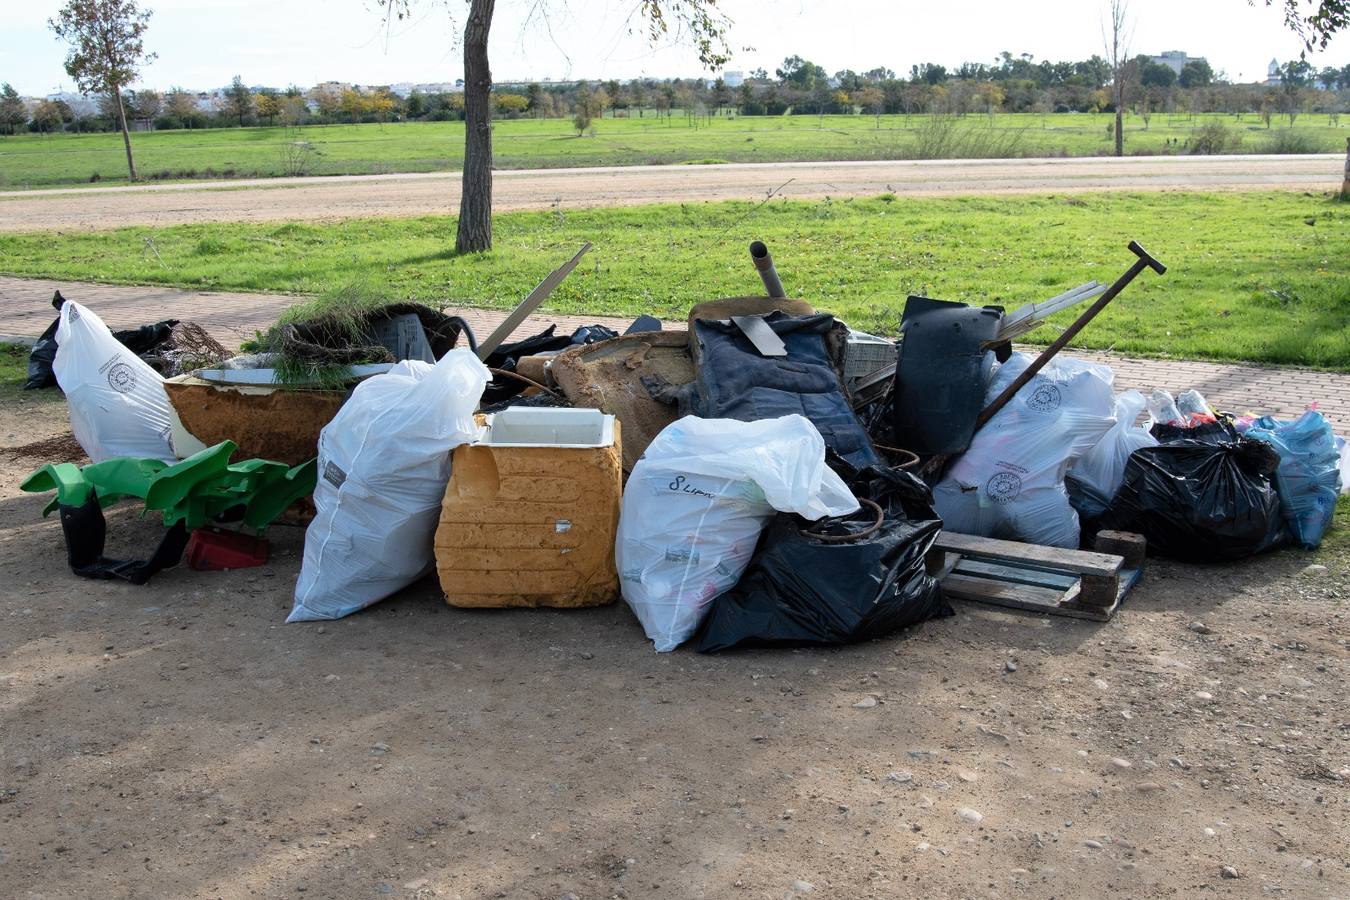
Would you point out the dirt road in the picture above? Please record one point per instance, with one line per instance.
(438, 193)
(177, 740)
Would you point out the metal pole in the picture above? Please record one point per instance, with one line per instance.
(764, 263)
(1145, 261)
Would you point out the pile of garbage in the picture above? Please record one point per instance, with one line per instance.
(765, 476)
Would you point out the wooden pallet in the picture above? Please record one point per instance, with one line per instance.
(1077, 583)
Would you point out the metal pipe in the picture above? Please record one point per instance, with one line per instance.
(759, 253)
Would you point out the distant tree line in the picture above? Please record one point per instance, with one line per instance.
(798, 87)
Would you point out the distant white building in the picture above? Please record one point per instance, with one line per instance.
(733, 79)
(405, 89)
(80, 106)
(1175, 60)
(1273, 76)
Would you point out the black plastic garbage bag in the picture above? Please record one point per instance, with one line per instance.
(803, 588)
(40, 360)
(1198, 501)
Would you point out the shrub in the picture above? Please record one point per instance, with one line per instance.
(1288, 140)
(1214, 138)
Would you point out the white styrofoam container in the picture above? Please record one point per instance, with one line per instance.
(523, 426)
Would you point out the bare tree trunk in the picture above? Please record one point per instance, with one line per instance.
(475, 202)
(1345, 185)
(1120, 125)
(126, 135)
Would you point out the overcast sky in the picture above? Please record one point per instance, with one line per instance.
(203, 43)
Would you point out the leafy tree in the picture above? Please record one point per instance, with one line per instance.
(149, 104)
(928, 73)
(801, 73)
(847, 80)
(512, 104)
(294, 110)
(1196, 73)
(267, 105)
(381, 104)
(12, 111)
(872, 100)
(721, 96)
(581, 119)
(1155, 75)
(327, 100)
(415, 106)
(107, 49)
(352, 104)
(182, 106)
(991, 97)
(1315, 21)
(600, 101)
(238, 100)
(46, 117)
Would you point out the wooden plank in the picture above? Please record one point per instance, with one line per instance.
(1022, 597)
(1028, 575)
(1080, 562)
(985, 590)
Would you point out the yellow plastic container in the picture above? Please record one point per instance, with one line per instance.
(531, 511)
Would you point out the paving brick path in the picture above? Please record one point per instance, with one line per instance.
(25, 310)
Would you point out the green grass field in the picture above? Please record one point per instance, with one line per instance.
(1258, 277)
(63, 159)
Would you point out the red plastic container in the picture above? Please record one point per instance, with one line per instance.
(210, 550)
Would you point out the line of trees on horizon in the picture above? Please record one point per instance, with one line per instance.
(799, 87)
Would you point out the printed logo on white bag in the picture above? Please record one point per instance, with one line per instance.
(333, 474)
(121, 376)
(1045, 398)
(1004, 487)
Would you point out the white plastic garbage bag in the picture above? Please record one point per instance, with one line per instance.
(1010, 483)
(384, 462)
(118, 406)
(696, 503)
(1099, 471)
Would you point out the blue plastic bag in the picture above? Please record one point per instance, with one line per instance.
(1309, 476)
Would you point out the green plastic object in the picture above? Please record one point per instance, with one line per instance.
(72, 488)
(193, 491)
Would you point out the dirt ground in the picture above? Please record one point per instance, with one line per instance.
(178, 740)
(416, 194)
